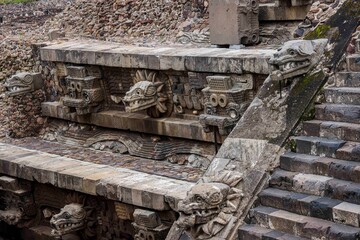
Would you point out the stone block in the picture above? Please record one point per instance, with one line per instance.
(243, 16)
(353, 62)
(146, 218)
(347, 213)
(310, 184)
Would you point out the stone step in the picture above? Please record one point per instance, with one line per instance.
(316, 185)
(256, 232)
(303, 226)
(338, 112)
(333, 130)
(343, 95)
(353, 62)
(317, 145)
(347, 79)
(314, 206)
(349, 151)
(331, 167)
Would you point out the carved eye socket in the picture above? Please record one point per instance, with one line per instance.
(72, 85)
(86, 97)
(198, 199)
(78, 87)
(66, 215)
(72, 93)
(292, 52)
(214, 100)
(138, 91)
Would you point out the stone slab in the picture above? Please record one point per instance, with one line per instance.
(132, 187)
(162, 58)
(172, 127)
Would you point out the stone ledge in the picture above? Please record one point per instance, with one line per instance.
(212, 60)
(172, 127)
(128, 186)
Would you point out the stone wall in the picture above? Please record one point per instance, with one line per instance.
(23, 114)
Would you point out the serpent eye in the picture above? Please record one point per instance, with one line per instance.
(292, 52)
(66, 215)
(138, 91)
(198, 199)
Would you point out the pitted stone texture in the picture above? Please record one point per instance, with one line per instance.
(124, 185)
(350, 151)
(333, 130)
(303, 226)
(338, 112)
(343, 95)
(255, 232)
(178, 59)
(340, 169)
(353, 62)
(317, 146)
(347, 79)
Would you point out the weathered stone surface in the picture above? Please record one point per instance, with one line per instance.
(302, 226)
(338, 112)
(343, 95)
(125, 185)
(244, 18)
(353, 62)
(317, 146)
(350, 151)
(195, 60)
(330, 129)
(173, 127)
(347, 79)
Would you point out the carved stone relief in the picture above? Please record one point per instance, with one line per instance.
(149, 93)
(209, 206)
(22, 83)
(83, 92)
(226, 98)
(296, 58)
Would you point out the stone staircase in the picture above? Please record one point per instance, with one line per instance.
(315, 194)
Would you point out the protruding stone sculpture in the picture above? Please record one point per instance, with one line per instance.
(23, 82)
(84, 93)
(226, 100)
(296, 58)
(148, 93)
(209, 206)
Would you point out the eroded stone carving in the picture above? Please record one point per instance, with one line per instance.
(84, 93)
(209, 206)
(148, 93)
(226, 100)
(16, 202)
(23, 82)
(148, 225)
(296, 58)
(74, 218)
(70, 219)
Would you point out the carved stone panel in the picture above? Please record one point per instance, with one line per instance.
(226, 98)
(84, 93)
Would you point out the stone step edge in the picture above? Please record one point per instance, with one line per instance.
(318, 165)
(318, 185)
(256, 232)
(303, 226)
(313, 206)
(128, 186)
(332, 129)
